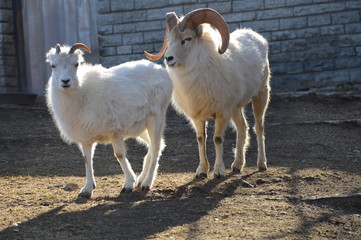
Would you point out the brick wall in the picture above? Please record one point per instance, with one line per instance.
(8, 69)
(313, 43)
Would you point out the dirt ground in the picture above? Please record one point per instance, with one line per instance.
(311, 189)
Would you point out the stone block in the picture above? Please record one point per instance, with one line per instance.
(6, 4)
(346, 52)
(350, 40)
(160, 13)
(283, 35)
(141, 4)
(126, 49)
(319, 65)
(6, 15)
(346, 17)
(358, 51)
(332, 30)
(132, 38)
(319, 20)
(221, 7)
(103, 6)
(149, 26)
(263, 25)
(356, 4)
(188, 8)
(348, 62)
(110, 40)
(275, 13)
(239, 17)
(298, 2)
(110, 18)
(314, 9)
(353, 28)
(275, 4)
(154, 36)
(292, 23)
(134, 16)
(140, 48)
(124, 28)
(105, 30)
(107, 51)
(180, 2)
(307, 32)
(6, 27)
(116, 5)
(247, 5)
(355, 75)
(294, 45)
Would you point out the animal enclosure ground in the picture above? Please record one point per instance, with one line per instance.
(310, 191)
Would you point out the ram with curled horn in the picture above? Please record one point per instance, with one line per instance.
(215, 75)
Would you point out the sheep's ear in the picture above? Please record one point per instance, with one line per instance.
(48, 55)
(199, 30)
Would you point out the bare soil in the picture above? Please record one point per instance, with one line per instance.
(311, 189)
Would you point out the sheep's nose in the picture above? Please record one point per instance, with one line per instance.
(169, 59)
(65, 81)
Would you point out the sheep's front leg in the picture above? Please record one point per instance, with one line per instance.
(119, 153)
(201, 128)
(88, 152)
(220, 124)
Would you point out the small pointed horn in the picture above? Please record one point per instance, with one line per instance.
(79, 45)
(207, 15)
(172, 20)
(57, 47)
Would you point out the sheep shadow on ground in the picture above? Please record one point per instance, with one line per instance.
(130, 216)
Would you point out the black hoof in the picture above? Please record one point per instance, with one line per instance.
(126, 190)
(145, 188)
(262, 169)
(218, 176)
(201, 176)
(236, 170)
(84, 195)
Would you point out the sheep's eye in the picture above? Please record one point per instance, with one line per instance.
(53, 66)
(186, 39)
(76, 65)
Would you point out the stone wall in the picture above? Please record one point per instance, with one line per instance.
(8, 69)
(313, 43)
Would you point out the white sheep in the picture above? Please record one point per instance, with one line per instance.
(91, 104)
(211, 84)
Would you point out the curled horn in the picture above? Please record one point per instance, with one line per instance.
(172, 20)
(57, 47)
(207, 15)
(79, 45)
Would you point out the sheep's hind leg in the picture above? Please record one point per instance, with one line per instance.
(220, 125)
(201, 128)
(260, 104)
(155, 129)
(119, 153)
(88, 152)
(242, 139)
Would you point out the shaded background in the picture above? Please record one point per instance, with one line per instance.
(313, 43)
